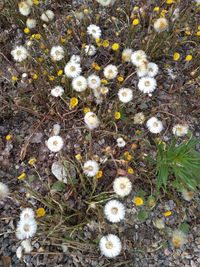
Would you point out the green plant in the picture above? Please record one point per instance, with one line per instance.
(180, 161)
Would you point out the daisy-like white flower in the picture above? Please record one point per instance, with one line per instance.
(94, 81)
(91, 168)
(142, 70)
(91, 120)
(27, 214)
(79, 84)
(110, 246)
(55, 143)
(154, 125)
(24, 8)
(114, 211)
(75, 59)
(47, 16)
(72, 69)
(125, 95)
(126, 54)
(19, 53)
(152, 69)
(180, 129)
(147, 85)
(106, 2)
(121, 142)
(138, 57)
(4, 190)
(31, 23)
(57, 91)
(178, 238)
(94, 31)
(139, 118)
(26, 229)
(122, 186)
(57, 53)
(110, 72)
(90, 50)
(26, 244)
(161, 25)
(187, 195)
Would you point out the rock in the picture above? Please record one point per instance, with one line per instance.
(59, 172)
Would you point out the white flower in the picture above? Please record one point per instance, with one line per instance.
(110, 246)
(75, 59)
(142, 70)
(125, 95)
(26, 214)
(161, 25)
(72, 69)
(159, 223)
(91, 168)
(94, 81)
(19, 53)
(29, 2)
(126, 54)
(90, 50)
(94, 30)
(114, 211)
(178, 238)
(31, 23)
(19, 252)
(55, 143)
(121, 142)
(26, 244)
(79, 84)
(106, 2)
(104, 90)
(138, 57)
(57, 53)
(154, 125)
(187, 195)
(147, 85)
(180, 130)
(122, 186)
(4, 190)
(56, 129)
(110, 72)
(24, 8)
(152, 69)
(91, 120)
(139, 118)
(57, 91)
(26, 229)
(47, 16)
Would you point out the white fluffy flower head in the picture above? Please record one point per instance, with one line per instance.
(110, 72)
(26, 214)
(57, 53)
(91, 168)
(125, 95)
(72, 69)
(26, 244)
(121, 142)
(147, 85)
(26, 229)
(47, 16)
(55, 143)
(79, 84)
(114, 211)
(4, 191)
(31, 23)
(19, 53)
(90, 50)
(91, 120)
(152, 69)
(24, 8)
(75, 59)
(106, 2)
(110, 246)
(180, 130)
(161, 25)
(154, 125)
(178, 238)
(94, 81)
(57, 91)
(126, 54)
(139, 118)
(122, 186)
(138, 57)
(94, 31)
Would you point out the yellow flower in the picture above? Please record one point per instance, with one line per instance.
(37, 36)
(22, 176)
(188, 58)
(117, 115)
(35, 76)
(130, 170)
(14, 78)
(86, 110)
(63, 40)
(176, 56)
(40, 59)
(105, 43)
(51, 78)
(96, 66)
(169, 2)
(163, 13)
(156, 9)
(138, 201)
(136, 8)
(8, 137)
(167, 213)
(198, 33)
(120, 79)
(26, 30)
(138, 132)
(134, 146)
(129, 157)
(78, 157)
(36, 2)
(188, 33)
(115, 47)
(60, 72)
(135, 22)
(73, 102)
(40, 212)
(32, 161)
(99, 174)
(104, 81)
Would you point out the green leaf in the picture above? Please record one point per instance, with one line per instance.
(32, 178)
(58, 186)
(185, 228)
(143, 215)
